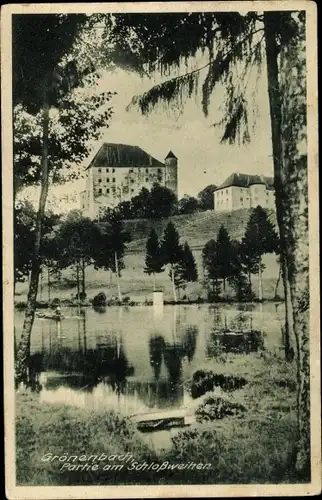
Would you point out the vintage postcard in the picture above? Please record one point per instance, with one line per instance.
(161, 250)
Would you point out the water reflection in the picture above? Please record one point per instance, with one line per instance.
(156, 349)
(138, 358)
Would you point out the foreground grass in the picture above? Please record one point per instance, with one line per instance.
(258, 447)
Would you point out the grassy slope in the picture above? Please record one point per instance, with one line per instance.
(196, 229)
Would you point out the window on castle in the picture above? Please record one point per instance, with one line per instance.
(113, 179)
(107, 170)
(132, 190)
(241, 199)
(147, 170)
(132, 181)
(159, 170)
(226, 191)
(99, 180)
(146, 179)
(107, 191)
(100, 191)
(113, 170)
(83, 206)
(99, 170)
(107, 179)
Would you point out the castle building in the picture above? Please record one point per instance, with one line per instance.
(118, 172)
(240, 191)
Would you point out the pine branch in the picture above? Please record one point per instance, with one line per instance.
(153, 95)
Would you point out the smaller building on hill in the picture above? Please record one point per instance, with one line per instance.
(244, 191)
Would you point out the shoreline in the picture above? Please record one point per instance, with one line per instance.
(21, 305)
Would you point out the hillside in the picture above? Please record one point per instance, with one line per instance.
(196, 228)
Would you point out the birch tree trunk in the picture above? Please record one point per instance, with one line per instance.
(278, 279)
(117, 277)
(83, 278)
(23, 351)
(48, 283)
(260, 280)
(173, 284)
(287, 100)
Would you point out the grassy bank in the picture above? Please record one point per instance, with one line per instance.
(257, 447)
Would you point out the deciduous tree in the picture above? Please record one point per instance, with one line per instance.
(46, 79)
(171, 252)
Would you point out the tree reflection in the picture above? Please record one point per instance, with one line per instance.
(156, 348)
(173, 361)
(189, 343)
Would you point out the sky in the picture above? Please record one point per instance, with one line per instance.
(202, 159)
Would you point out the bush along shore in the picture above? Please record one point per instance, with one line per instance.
(244, 432)
(126, 301)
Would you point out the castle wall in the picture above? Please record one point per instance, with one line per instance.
(112, 185)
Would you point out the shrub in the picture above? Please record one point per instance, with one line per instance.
(100, 299)
(55, 303)
(216, 407)
(206, 380)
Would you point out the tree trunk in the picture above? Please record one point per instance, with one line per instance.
(48, 283)
(41, 284)
(173, 284)
(287, 101)
(278, 279)
(260, 280)
(117, 277)
(288, 329)
(24, 344)
(153, 277)
(83, 277)
(78, 285)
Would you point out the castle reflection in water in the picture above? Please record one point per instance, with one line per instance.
(137, 358)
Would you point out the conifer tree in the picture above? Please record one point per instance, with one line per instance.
(260, 238)
(210, 265)
(185, 271)
(189, 264)
(153, 257)
(224, 255)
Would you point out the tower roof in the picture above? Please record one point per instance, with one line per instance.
(170, 155)
(123, 155)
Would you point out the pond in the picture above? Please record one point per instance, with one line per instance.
(135, 359)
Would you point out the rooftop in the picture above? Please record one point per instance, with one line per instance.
(170, 155)
(123, 155)
(246, 180)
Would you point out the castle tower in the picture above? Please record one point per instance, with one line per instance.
(257, 189)
(171, 172)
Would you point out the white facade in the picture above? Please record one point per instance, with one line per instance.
(236, 197)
